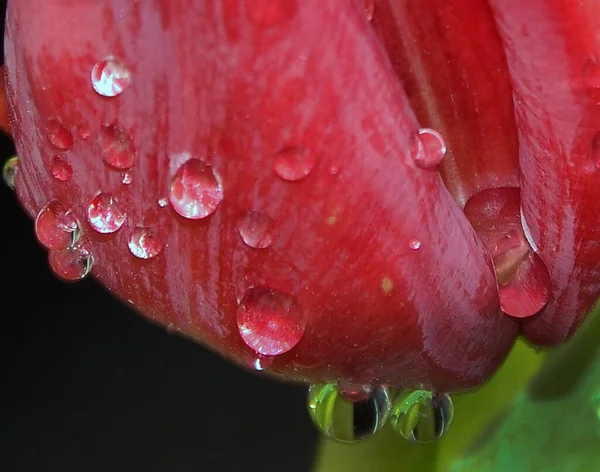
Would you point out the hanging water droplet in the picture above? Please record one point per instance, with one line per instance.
(163, 202)
(348, 421)
(294, 163)
(9, 171)
(430, 148)
(270, 322)
(56, 227)
(369, 6)
(59, 136)
(195, 191)
(353, 392)
(144, 243)
(61, 169)
(104, 213)
(110, 78)
(414, 244)
(256, 229)
(71, 264)
(118, 150)
(421, 416)
(126, 178)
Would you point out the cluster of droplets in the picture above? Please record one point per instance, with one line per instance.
(350, 413)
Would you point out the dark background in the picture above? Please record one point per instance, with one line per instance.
(87, 385)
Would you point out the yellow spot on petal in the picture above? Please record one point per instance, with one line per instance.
(387, 285)
(332, 219)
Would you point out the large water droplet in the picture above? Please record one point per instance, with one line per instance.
(110, 78)
(9, 171)
(104, 213)
(118, 150)
(59, 136)
(145, 243)
(256, 229)
(61, 169)
(56, 227)
(71, 264)
(348, 421)
(195, 191)
(294, 163)
(270, 322)
(430, 148)
(421, 416)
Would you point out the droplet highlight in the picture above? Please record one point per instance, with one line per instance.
(126, 178)
(163, 202)
(270, 322)
(421, 416)
(61, 169)
(110, 78)
(56, 227)
(72, 264)
(105, 214)
(414, 244)
(294, 163)
(195, 192)
(59, 136)
(256, 229)
(354, 392)
(430, 148)
(348, 421)
(9, 171)
(118, 150)
(145, 243)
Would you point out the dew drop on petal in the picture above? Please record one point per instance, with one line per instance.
(414, 244)
(270, 322)
(344, 420)
(71, 264)
(353, 392)
(294, 163)
(195, 191)
(260, 363)
(104, 213)
(421, 416)
(126, 178)
(430, 148)
(59, 136)
(118, 150)
(110, 78)
(256, 229)
(9, 171)
(56, 227)
(145, 243)
(61, 169)
(163, 202)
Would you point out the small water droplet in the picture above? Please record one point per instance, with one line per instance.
(270, 322)
(126, 178)
(83, 131)
(61, 169)
(145, 243)
(260, 363)
(59, 136)
(71, 264)
(118, 150)
(421, 416)
(256, 229)
(163, 202)
(415, 244)
(195, 191)
(353, 392)
(430, 148)
(110, 78)
(56, 227)
(294, 163)
(369, 6)
(104, 213)
(348, 421)
(9, 171)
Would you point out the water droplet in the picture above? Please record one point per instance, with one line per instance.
(195, 191)
(369, 6)
(353, 392)
(348, 421)
(59, 136)
(56, 227)
(415, 244)
(261, 362)
(144, 243)
(126, 178)
(270, 322)
(71, 264)
(9, 171)
(421, 416)
(430, 148)
(83, 131)
(294, 163)
(110, 78)
(266, 13)
(256, 229)
(163, 202)
(118, 150)
(105, 214)
(61, 169)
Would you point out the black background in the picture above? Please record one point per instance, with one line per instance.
(88, 385)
